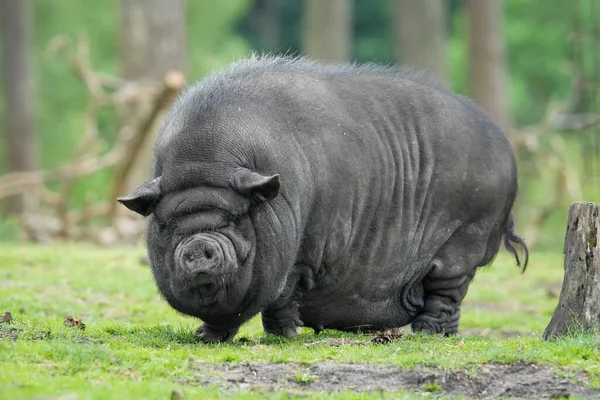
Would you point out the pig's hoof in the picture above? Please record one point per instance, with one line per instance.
(431, 327)
(212, 335)
(287, 330)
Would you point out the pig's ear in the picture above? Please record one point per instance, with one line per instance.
(259, 187)
(144, 199)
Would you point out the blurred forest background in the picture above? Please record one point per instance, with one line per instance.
(85, 83)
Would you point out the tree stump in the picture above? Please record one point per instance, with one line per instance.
(578, 307)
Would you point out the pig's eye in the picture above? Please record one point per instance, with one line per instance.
(158, 223)
(240, 221)
(209, 220)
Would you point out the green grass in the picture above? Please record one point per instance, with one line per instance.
(135, 346)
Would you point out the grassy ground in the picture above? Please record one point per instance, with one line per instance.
(135, 346)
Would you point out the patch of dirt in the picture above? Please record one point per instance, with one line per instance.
(490, 381)
(387, 336)
(6, 331)
(74, 322)
(7, 318)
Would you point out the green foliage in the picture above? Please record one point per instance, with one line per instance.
(536, 41)
(212, 42)
(432, 387)
(538, 56)
(538, 186)
(537, 51)
(373, 24)
(304, 378)
(537, 47)
(62, 97)
(9, 229)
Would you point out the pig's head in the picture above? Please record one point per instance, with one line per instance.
(202, 242)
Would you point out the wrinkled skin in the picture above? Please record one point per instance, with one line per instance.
(350, 198)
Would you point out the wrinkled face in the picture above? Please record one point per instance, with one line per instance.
(201, 240)
(204, 239)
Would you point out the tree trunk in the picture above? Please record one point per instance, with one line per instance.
(487, 74)
(19, 99)
(153, 38)
(578, 307)
(153, 42)
(421, 35)
(328, 29)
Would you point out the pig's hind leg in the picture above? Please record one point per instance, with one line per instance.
(452, 270)
(282, 319)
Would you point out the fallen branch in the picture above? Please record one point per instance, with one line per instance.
(565, 186)
(124, 97)
(575, 122)
(172, 84)
(20, 182)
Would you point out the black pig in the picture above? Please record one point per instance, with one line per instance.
(345, 197)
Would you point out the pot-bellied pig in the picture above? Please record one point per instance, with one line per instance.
(329, 196)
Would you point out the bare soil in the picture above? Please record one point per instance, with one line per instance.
(488, 381)
(74, 322)
(7, 318)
